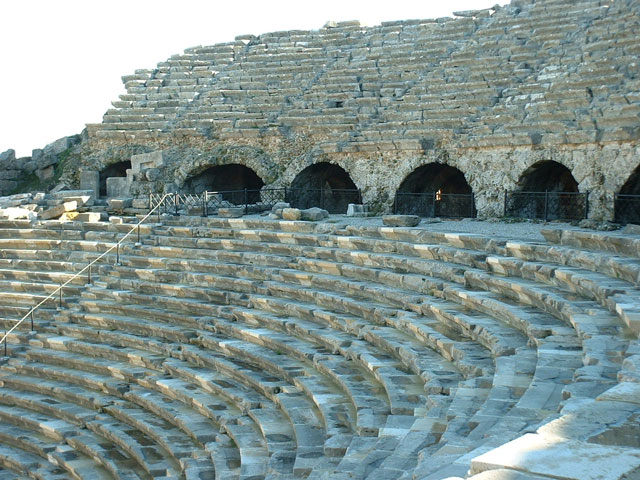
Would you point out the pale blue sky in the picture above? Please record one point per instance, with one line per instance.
(62, 61)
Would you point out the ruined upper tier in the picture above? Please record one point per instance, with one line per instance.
(533, 72)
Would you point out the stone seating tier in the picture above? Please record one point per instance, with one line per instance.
(288, 349)
(447, 56)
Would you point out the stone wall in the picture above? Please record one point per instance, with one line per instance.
(489, 92)
(38, 169)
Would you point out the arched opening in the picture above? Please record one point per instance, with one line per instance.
(547, 176)
(118, 169)
(231, 180)
(323, 185)
(435, 190)
(627, 202)
(548, 191)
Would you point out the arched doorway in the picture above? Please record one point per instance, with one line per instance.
(547, 176)
(230, 180)
(435, 190)
(627, 201)
(548, 191)
(118, 169)
(323, 185)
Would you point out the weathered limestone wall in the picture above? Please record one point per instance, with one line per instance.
(489, 92)
(41, 164)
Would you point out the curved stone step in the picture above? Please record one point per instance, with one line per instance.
(285, 346)
(144, 379)
(616, 243)
(58, 430)
(29, 464)
(113, 461)
(612, 265)
(71, 385)
(39, 277)
(199, 430)
(617, 296)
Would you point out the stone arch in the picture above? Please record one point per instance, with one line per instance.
(434, 177)
(232, 177)
(632, 185)
(627, 210)
(325, 185)
(117, 169)
(435, 189)
(547, 190)
(547, 176)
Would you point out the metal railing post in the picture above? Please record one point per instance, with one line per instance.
(546, 205)
(433, 205)
(52, 295)
(89, 275)
(138, 229)
(473, 206)
(118, 253)
(176, 199)
(205, 204)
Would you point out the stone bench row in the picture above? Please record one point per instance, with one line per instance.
(534, 295)
(230, 374)
(167, 262)
(151, 402)
(494, 342)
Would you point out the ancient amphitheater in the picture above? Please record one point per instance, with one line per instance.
(197, 346)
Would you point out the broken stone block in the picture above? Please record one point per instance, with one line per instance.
(144, 161)
(55, 212)
(66, 194)
(84, 200)
(8, 156)
(16, 213)
(401, 220)
(231, 212)
(356, 210)
(68, 217)
(120, 203)
(115, 220)
(88, 217)
(313, 214)
(118, 186)
(90, 180)
(46, 173)
(280, 206)
(291, 214)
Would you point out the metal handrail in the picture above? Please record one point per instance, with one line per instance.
(87, 269)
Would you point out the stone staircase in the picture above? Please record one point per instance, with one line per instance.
(251, 348)
(506, 76)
